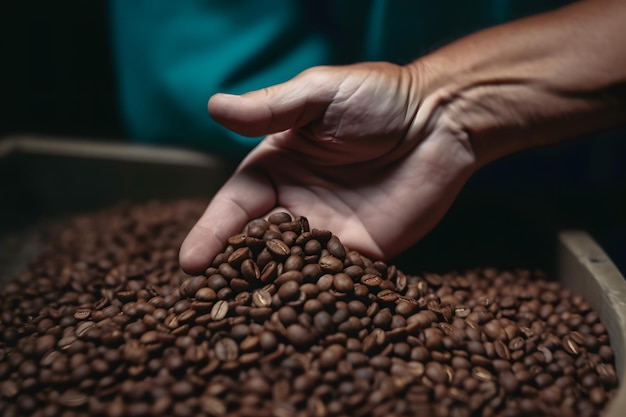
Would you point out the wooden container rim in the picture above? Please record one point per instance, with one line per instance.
(585, 267)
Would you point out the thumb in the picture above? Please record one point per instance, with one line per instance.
(292, 104)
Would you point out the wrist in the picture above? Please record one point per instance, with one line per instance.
(490, 114)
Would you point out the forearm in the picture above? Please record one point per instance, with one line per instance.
(531, 82)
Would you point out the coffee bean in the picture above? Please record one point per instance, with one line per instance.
(213, 406)
(73, 398)
(295, 276)
(289, 291)
(508, 381)
(287, 315)
(261, 298)
(182, 389)
(323, 322)
(299, 336)
(331, 356)
(9, 389)
(481, 374)
(335, 247)
(388, 296)
(436, 372)
(342, 282)
(433, 338)
(597, 396)
(374, 341)
(44, 344)
(236, 258)
(311, 272)
(494, 330)
(278, 248)
(269, 272)
(606, 353)
(219, 310)
(371, 280)
(502, 350)
(190, 286)
(552, 395)
(226, 350)
(330, 264)
(570, 346)
(237, 240)
(293, 263)
(250, 270)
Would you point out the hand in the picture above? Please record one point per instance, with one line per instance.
(358, 150)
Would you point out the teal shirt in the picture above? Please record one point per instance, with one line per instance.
(171, 56)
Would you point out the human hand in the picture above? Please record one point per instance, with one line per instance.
(359, 150)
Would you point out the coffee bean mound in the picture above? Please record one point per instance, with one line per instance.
(286, 322)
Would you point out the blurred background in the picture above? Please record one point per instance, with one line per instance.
(61, 75)
(57, 70)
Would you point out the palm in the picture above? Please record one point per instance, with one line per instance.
(377, 207)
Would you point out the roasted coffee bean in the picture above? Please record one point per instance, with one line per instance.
(371, 280)
(238, 256)
(190, 286)
(287, 315)
(278, 248)
(219, 310)
(433, 338)
(226, 350)
(294, 262)
(330, 264)
(269, 272)
(295, 276)
(342, 282)
(299, 336)
(325, 282)
(289, 291)
(335, 247)
(261, 298)
(44, 344)
(250, 270)
(502, 350)
(494, 330)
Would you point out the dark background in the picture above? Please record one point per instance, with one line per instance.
(57, 75)
(57, 78)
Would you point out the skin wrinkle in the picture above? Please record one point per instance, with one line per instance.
(402, 133)
(468, 98)
(482, 103)
(313, 79)
(406, 118)
(338, 99)
(399, 146)
(272, 119)
(301, 122)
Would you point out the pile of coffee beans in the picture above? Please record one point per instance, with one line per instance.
(286, 322)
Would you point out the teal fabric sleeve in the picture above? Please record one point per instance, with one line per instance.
(171, 56)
